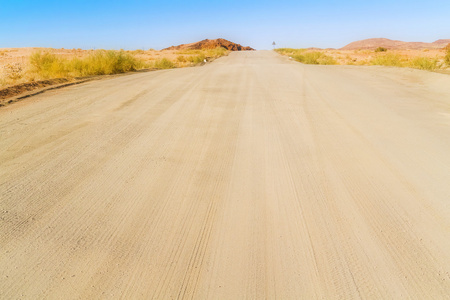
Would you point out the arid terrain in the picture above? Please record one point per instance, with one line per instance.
(426, 56)
(364, 57)
(24, 71)
(20, 76)
(372, 44)
(252, 177)
(15, 66)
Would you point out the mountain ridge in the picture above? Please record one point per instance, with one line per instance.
(370, 44)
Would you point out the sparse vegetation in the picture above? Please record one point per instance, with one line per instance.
(138, 51)
(430, 61)
(425, 63)
(163, 63)
(56, 63)
(196, 59)
(381, 49)
(290, 51)
(447, 57)
(13, 71)
(423, 60)
(181, 59)
(47, 65)
(388, 59)
(198, 56)
(308, 57)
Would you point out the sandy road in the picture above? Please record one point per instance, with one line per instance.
(252, 177)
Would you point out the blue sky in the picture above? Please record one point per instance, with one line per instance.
(136, 24)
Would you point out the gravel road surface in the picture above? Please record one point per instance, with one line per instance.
(251, 177)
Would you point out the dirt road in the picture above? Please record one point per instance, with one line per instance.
(252, 177)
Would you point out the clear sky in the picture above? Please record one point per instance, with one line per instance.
(137, 24)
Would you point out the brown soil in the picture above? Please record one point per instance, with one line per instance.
(211, 44)
(371, 44)
(28, 87)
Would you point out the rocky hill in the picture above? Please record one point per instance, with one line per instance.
(210, 44)
(371, 44)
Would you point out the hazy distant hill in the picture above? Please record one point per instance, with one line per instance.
(392, 44)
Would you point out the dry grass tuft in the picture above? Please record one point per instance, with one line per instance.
(308, 57)
(388, 59)
(27, 65)
(447, 57)
(45, 65)
(425, 63)
(163, 63)
(381, 49)
(419, 59)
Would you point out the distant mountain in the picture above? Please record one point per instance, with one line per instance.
(371, 44)
(210, 44)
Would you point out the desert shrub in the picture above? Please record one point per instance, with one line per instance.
(425, 63)
(214, 53)
(99, 62)
(48, 65)
(181, 58)
(314, 58)
(326, 60)
(103, 62)
(290, 51)
(303, 56)
(389, 59)
(196, 59)
(381, 49)
(447, 58)
(138, 51)
(188, 52)
(309, 58)
(198, 56)
(163, 63)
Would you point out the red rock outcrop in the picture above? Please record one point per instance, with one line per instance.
(210, 44)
